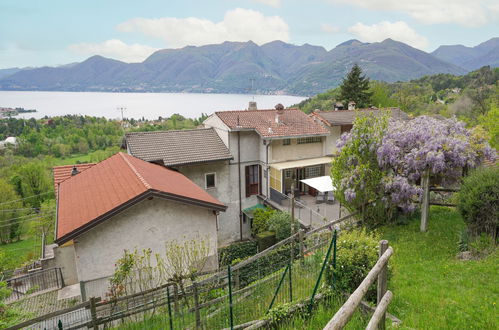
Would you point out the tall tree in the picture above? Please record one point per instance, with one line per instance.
(32, 182)
(10, 205)
(355, 87)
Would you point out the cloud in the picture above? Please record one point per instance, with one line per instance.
(114, 48)
(238, 25)
(271, 3)
(399, 31)
(464, 12)
(328, 28)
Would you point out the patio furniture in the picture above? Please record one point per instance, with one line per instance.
(330, 197)
(320, 198)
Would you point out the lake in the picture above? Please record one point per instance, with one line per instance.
(137, 105)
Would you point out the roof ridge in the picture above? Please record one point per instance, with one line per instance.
(135, 171)
(171, 131)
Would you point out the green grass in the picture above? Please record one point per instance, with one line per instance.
(434, 290)
(18, 253)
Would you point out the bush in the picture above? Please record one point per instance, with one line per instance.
(265, 240)
(240, 250)
(478, 201)
(280, 224)
(357, 252)
(261, 220)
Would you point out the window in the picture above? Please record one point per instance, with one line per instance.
(288, 174)
(210, 180)
(310, 139)
(253, 174)
(313, 171)
(286, 142)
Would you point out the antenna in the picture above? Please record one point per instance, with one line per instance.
(122, 120)
(252, 83)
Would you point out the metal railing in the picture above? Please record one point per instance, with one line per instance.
(307, 216)
(36, 281)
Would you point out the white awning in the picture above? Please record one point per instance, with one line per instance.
(320, 183)
(301, 163)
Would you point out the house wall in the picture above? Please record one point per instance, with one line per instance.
(228, 221)
(64, 258)
(294, 151)
(219, 126)
(148, 224)
(330, 143)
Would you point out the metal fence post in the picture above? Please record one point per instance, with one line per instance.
(290, 282)
(335, 238)
(196, 305)
(382, 281)
(231, 316)
(62, 278)
(83, 293)
(59, 325)
(169, 307)
(311, 303)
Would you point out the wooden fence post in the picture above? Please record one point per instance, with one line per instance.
(196, 305)
(93, 313)
(425, 202)
(382, 281)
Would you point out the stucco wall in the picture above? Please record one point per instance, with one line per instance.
(330, 144)
(225, 190)
(219, 126)
(148, 224)
(280, 153)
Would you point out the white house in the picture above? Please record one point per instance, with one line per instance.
(125, 203)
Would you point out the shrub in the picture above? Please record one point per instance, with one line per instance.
(357, 252)
(478, 201)
(280, 224)
(261, 220)
(240, 250)
(265, 240)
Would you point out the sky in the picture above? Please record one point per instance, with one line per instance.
(57, 32)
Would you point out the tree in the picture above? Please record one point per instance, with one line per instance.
(382, 164)
(355, 87)
(44, 223)
(355, 173)
(10, 205)
(33, 183)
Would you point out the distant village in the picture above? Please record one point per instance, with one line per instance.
(11, 112)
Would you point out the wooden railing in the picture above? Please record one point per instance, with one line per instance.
(379, 272)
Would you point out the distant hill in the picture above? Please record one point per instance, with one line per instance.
(233, 67)
(470, 58)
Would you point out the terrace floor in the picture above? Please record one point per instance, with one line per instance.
(310, 213)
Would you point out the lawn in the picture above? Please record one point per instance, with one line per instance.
(19, 252)
(434, 290)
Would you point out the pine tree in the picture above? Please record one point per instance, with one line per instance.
(355, 87)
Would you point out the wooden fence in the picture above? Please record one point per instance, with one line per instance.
(384, 296)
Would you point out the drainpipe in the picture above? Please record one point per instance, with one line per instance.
(239, 176)
(268, 168)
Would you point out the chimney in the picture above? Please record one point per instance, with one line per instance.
(351, 105)
(338, 106)
(280, 111)
(74, 171)
(252, 105)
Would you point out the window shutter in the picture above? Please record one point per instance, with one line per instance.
(246, 169)
(260, 179)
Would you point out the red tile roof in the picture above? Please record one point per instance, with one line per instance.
(116, 183)
(61, 173)
(292, 122)
(347, 117)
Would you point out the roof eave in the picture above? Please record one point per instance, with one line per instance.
(198, 162)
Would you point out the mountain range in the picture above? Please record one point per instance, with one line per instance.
(244, 67)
